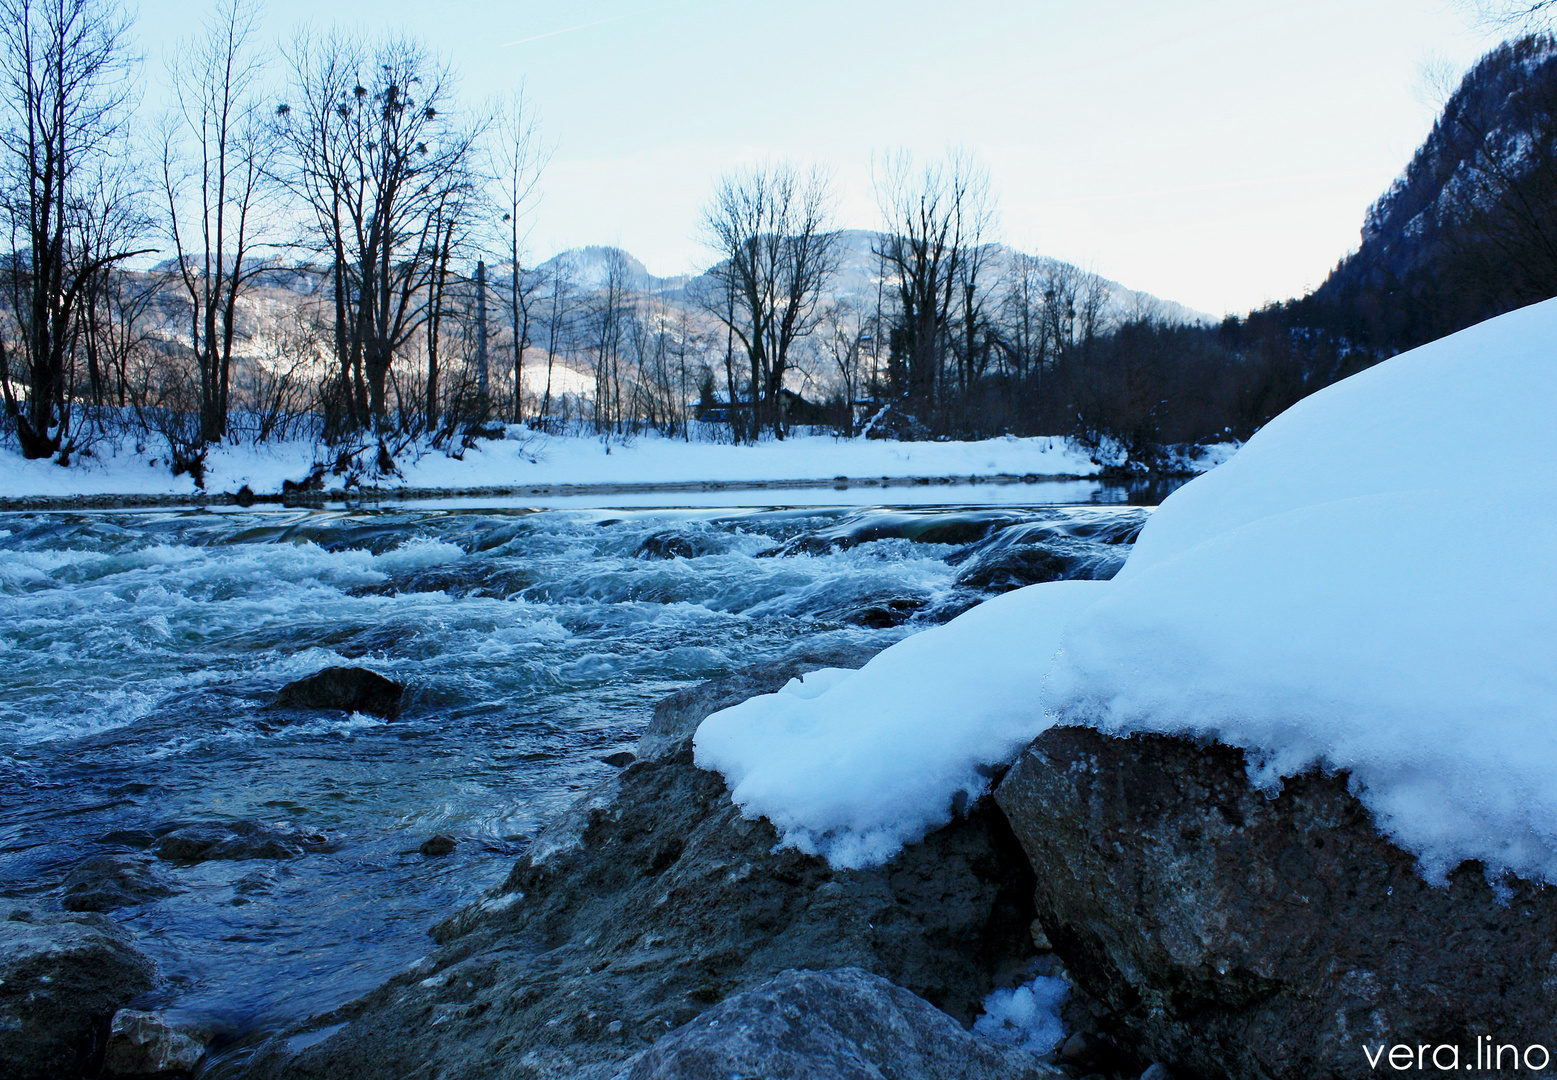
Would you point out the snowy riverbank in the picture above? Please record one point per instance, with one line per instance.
(528, 460)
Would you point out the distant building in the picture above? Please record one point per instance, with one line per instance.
(797, 410)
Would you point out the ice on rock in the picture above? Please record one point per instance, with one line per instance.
(1027, 1016)
(854, 764)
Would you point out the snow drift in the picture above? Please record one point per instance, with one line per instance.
(855, 764)
(1370, 584)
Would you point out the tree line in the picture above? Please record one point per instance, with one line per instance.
(342, 257)
(340, 162)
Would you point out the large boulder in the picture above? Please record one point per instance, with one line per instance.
(651, 901)
(844, 1024)
(349, 689)
(62, 976)
(1238, 935)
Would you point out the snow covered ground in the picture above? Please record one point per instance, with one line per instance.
(1370, 584)
(526, 459)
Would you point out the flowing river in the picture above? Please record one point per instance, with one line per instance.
(142, 653)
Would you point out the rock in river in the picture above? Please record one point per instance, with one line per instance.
(203, 841)
(105, 882)
(147, 1044)
(61, 978)
(349, 689)
(1237, 935)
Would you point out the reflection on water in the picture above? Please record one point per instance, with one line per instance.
(143, 652)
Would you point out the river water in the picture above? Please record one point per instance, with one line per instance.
(142, 651)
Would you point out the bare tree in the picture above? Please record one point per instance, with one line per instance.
(611, 316)
(217, 156)
(67, 192)
(519, 157)
(560, 304)
(376, 158)
(771, 226)
(846, 337)
(938, 216)
(1514, 14)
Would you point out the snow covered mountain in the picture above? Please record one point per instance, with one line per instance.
(858, 277)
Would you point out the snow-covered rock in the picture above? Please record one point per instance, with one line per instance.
(1368, 585)
(1388, 608)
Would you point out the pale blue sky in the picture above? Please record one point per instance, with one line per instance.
(1219, 152)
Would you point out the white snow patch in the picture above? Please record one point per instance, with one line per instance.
(527, 458)
(1027, 1016)
(854, 764)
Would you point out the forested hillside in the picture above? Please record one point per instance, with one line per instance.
(1468, 231)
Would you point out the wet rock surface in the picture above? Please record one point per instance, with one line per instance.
(1029, 553)
(1229, 934)
(148, 1044)
(479, 579)
(203, 841)
(653, 900)
(921, 527)
(843, 1024)
(348, 689)
(439, 845)
(62, 976)
(106, 882)
(675, 544)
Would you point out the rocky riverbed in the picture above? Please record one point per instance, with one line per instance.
(1203, 928)
(653, 932)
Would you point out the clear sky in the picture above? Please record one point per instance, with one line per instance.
(1220, 153)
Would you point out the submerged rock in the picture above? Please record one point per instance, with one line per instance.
(1076, 546)
(147, 1044)
(1237, 935)
(922, 527)
(349, 689)
(61, 978)
(877, 612)
(207, 840)
(844, 1024)
(675, 544)
(1012, 567)
(106, 882)
(654, 899)
(441, 844)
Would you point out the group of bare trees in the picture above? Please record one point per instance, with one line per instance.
(959, 336)
(344, 243)
(67, 202)
(339, 167)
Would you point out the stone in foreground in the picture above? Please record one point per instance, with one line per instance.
(842, 1024)
(145, 1044)
(1236, 935)
(61, 978)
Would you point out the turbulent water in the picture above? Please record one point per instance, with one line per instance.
(142, 653)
